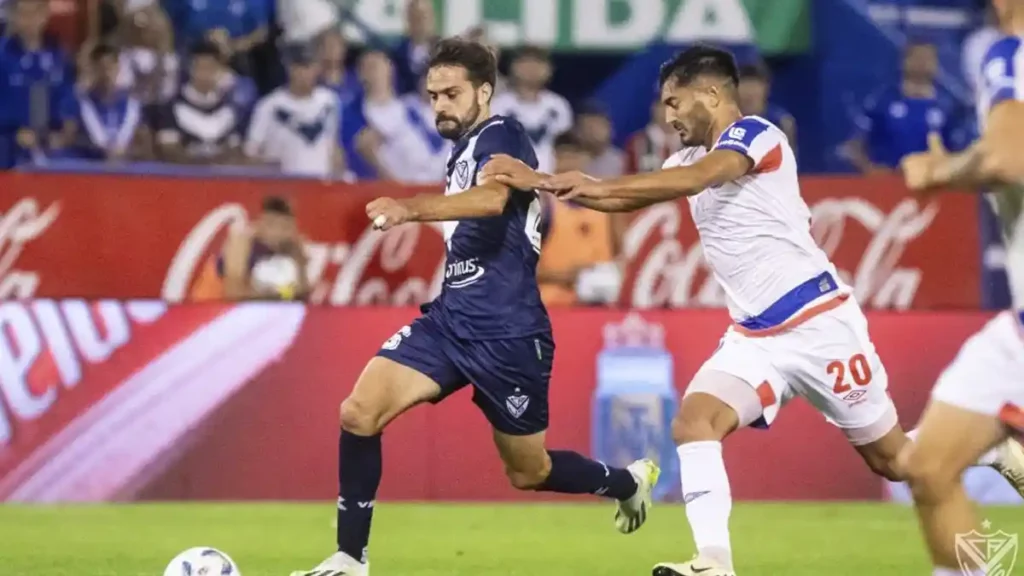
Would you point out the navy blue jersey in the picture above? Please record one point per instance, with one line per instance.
(490, 286)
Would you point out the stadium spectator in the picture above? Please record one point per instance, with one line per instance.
(412, 53)
(543, 113)
(336, 74)
(647, 149)
(149, 65)
(264, 261)
(36, 87)
(594, 130)
(109, 116)
(202, 124)
(236, 27)
(578, 262)
(400, 139)
(896, 120)
(295, 127)
(754, 93)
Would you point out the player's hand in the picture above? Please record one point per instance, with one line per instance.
(509, 171)
(561, 183)
(919, 170)
(386, 213)
(594, 189)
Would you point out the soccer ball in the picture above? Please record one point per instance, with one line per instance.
(202, 562)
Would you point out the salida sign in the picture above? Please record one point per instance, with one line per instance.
(102, 237)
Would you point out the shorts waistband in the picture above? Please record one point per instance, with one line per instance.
(792, 302)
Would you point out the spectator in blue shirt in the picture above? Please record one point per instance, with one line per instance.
(235, 26)
(109, 116)
(754, 93)
(896, 120)
(413, 52)
(36, 87)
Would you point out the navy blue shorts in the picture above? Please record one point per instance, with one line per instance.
(509, 377)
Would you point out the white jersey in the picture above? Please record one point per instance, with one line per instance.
(411, 149)
(299, 133)
(755, 231)
(1002, 79)
(544, 119)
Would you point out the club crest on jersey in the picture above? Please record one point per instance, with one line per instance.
(462, 174)
(517, 404)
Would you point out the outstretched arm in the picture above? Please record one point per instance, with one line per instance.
(717, 168)
(482, 201)
(512, 172)
(993, 159)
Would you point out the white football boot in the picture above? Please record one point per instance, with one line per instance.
(338, 564)
(695, 567)
(1011, 464)
(632, 512)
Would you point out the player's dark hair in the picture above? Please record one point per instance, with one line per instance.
(205, 48)
(478, 60)
(277, 205)
(101, 51)
(700, 62)
(530, 52)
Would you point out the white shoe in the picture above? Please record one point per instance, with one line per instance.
(695, 567)
(338, 564)
(1011, 464)
(632, 512)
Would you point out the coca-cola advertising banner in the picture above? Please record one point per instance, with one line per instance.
(123, 237)
(111, 400)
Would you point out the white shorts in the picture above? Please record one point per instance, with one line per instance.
(987, 375)
(827, 359)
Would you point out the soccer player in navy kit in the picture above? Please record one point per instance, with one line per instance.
(488, 328)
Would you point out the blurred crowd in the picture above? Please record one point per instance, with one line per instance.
(273, 86)
(225, 82)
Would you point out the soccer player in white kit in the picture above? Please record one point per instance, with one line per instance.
(979, 399)
(798, 330)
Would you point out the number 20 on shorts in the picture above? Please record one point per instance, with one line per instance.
(858, 368)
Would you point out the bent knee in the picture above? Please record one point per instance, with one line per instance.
(703, 418)
(359, 418)
(888, 468)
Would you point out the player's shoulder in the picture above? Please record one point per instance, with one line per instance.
(503, 135)
(554, 100)
(1003, 49)
(746, 130)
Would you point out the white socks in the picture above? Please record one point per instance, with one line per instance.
(987, 459)
(708, 498)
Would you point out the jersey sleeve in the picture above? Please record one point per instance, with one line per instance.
(506, 137)
(1002, 77)
(756, 140)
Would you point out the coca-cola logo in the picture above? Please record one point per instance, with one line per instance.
(877, 279)
(339, 272)
(21, 224)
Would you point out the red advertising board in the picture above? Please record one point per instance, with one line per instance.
(145, 400)
(139, 237)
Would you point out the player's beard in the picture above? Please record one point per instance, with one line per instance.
(693, 133)
(450, 132)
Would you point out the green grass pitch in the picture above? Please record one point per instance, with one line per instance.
(464, 540)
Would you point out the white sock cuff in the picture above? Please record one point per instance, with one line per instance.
(698, 447)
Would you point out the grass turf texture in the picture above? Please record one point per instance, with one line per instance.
(464, 540)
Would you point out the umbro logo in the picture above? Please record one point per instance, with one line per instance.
(687, 498)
